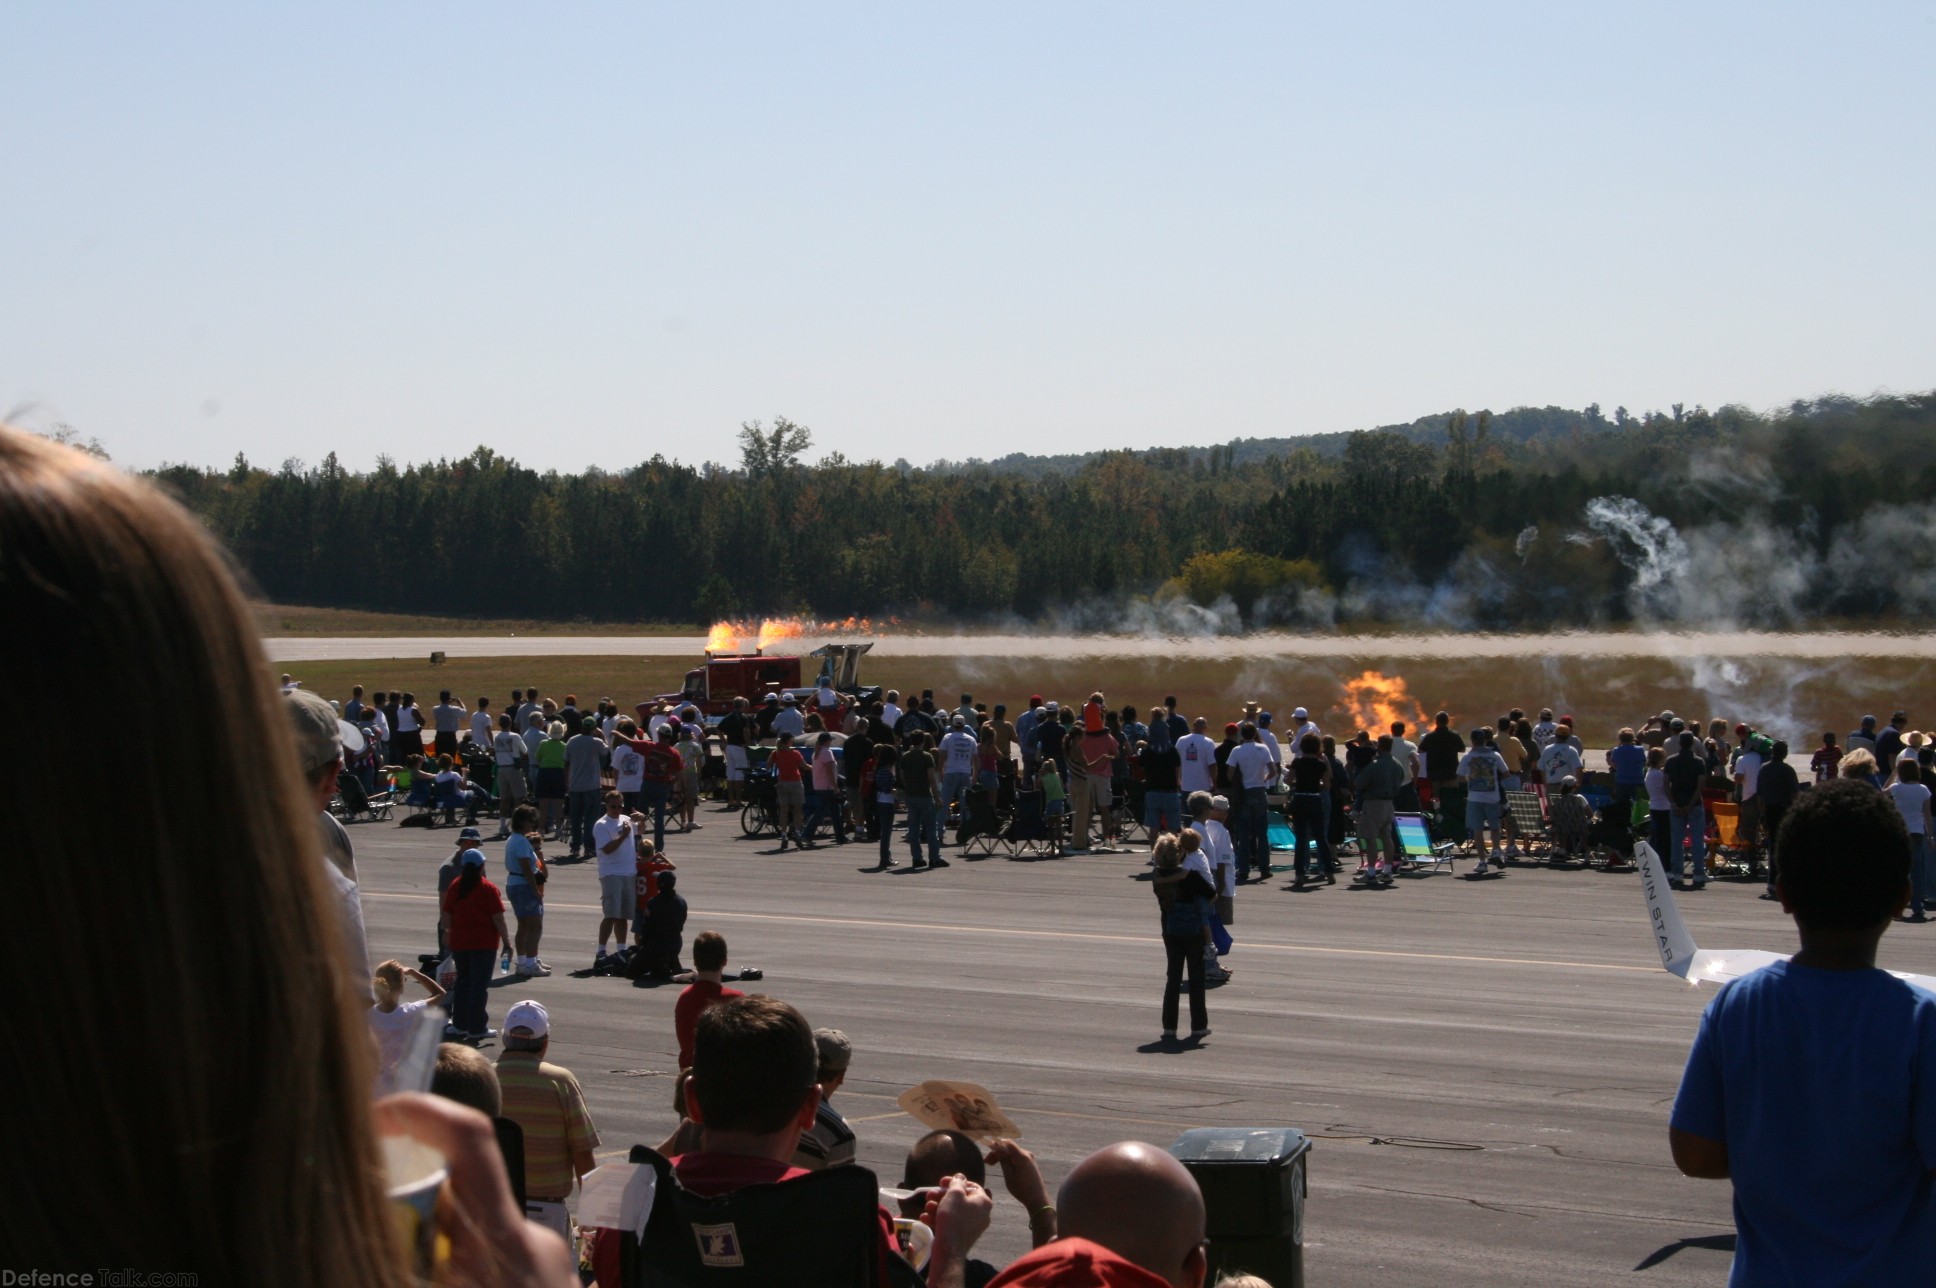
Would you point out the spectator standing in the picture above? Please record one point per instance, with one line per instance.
(1911, 796)
(628, 764)
(1199, 757)
(826, 790)
(1628, 761)
(886, 773)
(408, 723)
(659, 775)
(1162, 774)
(321, 737)
(1560, 760)
(1310, 775)
(920, 783)
(1252, 771)
(448, 718)
(1378, 785)
(789, 792)
(735, 729)
(1442, 748)
(1186, 927)
(547, 1104)
(512, 757)
(1864, 738)
(1660, 803)
(391, 1018)
(549, 756)
(1483, 771)
(1770, 1092)
(830, 1141)
(958, 751)
(1776, 787)
(585, 759)
(618, 890)
(706, 990)
(524, 884)
(473, 926)
(787, 720)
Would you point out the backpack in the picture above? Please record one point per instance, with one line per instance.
(1185, 917)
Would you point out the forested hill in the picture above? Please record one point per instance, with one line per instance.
(1530, 517)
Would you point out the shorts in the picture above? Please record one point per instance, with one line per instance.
(619, 896)
(1227, 909)
(525, 902)
(1055, 809)
(1480, 814)
(735, 764)
(510, 785)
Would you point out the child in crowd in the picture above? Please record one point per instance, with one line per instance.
(1055, 802)
(391, 1018)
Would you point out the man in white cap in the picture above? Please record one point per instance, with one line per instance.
(1304, 725)
(321, 739)
(546, 1103)
(788, 718)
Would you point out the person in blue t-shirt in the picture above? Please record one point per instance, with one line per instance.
(1812, 1082)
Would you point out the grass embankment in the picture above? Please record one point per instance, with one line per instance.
(1793, 699)
(296, 619)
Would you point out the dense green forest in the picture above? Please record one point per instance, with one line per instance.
(1531, 517)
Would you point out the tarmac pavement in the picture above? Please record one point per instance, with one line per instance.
(1487, 1066)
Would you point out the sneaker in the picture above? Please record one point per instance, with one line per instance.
(889, 863)
(1499, 857)
(539, 968)
(1512, 851)
(454, 1034)
(1919, 915)
(918, 866)
(937, 863)
(1480, 870)
(1198, 1035)
(1330, 878)
(1169, 1035)
(481, 1035)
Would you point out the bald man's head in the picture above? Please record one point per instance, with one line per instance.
(1141, 1204)
(943, 1153)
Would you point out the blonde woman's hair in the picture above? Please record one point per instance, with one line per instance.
(557, 731)
(1166, 851)
(1859, 761)
(387, 981)
(244, 1146)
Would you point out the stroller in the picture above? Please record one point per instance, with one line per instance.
(1028, 831)
(979, 823)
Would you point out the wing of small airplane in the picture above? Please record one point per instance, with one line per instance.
(1678, 953)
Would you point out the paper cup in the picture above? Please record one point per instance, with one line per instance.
(415, 1174)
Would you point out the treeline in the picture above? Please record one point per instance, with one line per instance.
(1579, 518)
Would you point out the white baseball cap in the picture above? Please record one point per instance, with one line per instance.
(527, 1020)
(1301, 714)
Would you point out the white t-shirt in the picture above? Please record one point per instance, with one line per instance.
(1199, 757)
(628, 766)
(382, 723)
(509, 747)
(621, 862)
(1657, 797)
(1223, 855)
(789, 721)
(1482, 769)
(481, 727)
(1197, 862)
(1543, 734)
(891, 715)
(1309, 726)
(1253, 763)
(408, 720)
(958, 750)
(1405, 753)
(1910, 798)
(1269, 740)
(1748, 763)
(827, 698)
(392, 1030)
(657, 723)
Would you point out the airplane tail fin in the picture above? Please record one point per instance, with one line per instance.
(1671, 936)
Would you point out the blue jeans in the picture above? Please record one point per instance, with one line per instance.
(1687, 827)
(884, 819)
(467, 1011)
(827, 805)
(583, 809)
(1252, 832)
(923, 821)
(953, 788)
(653, 799)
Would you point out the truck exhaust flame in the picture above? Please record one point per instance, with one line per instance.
(1374, 702)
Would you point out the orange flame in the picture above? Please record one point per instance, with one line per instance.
(1374, 701)
(732, 637)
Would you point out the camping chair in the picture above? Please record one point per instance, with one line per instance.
(1528, 811)
(1416, 848)
(1726, 847)
(352, 802)
(1278, 832)
(1128, 805)
(1027, 831)
(447, 799)
(1448, 815)
(817, 1231)
(979, 824)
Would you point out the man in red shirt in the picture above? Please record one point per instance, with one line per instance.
(705, 991)
(753, 1092)
(662, 768)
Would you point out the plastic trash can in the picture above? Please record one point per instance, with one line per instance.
(1254, 1184)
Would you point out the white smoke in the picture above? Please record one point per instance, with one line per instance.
(1523, 545)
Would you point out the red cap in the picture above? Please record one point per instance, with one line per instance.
(1566, 720)
(1741, 728)
(1035, 699)
(1231, 727)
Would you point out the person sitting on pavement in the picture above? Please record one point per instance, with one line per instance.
(1571, 818)
(1129, 1216)
(662, 930)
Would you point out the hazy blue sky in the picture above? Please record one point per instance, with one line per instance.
(582, 234)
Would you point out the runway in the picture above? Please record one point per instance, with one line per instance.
(1487, 1066)
(1814, 645)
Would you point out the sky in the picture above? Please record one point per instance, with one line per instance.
(587, 234)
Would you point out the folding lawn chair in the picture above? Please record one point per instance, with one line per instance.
(1726, 847)
(979, 824)
(1416, 848)
(352, 802)
(1027, 831)
(1528, 813)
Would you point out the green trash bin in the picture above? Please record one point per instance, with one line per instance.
(1254, 1184)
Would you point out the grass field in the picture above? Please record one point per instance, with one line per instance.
(296, 619)
(1790, 699)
